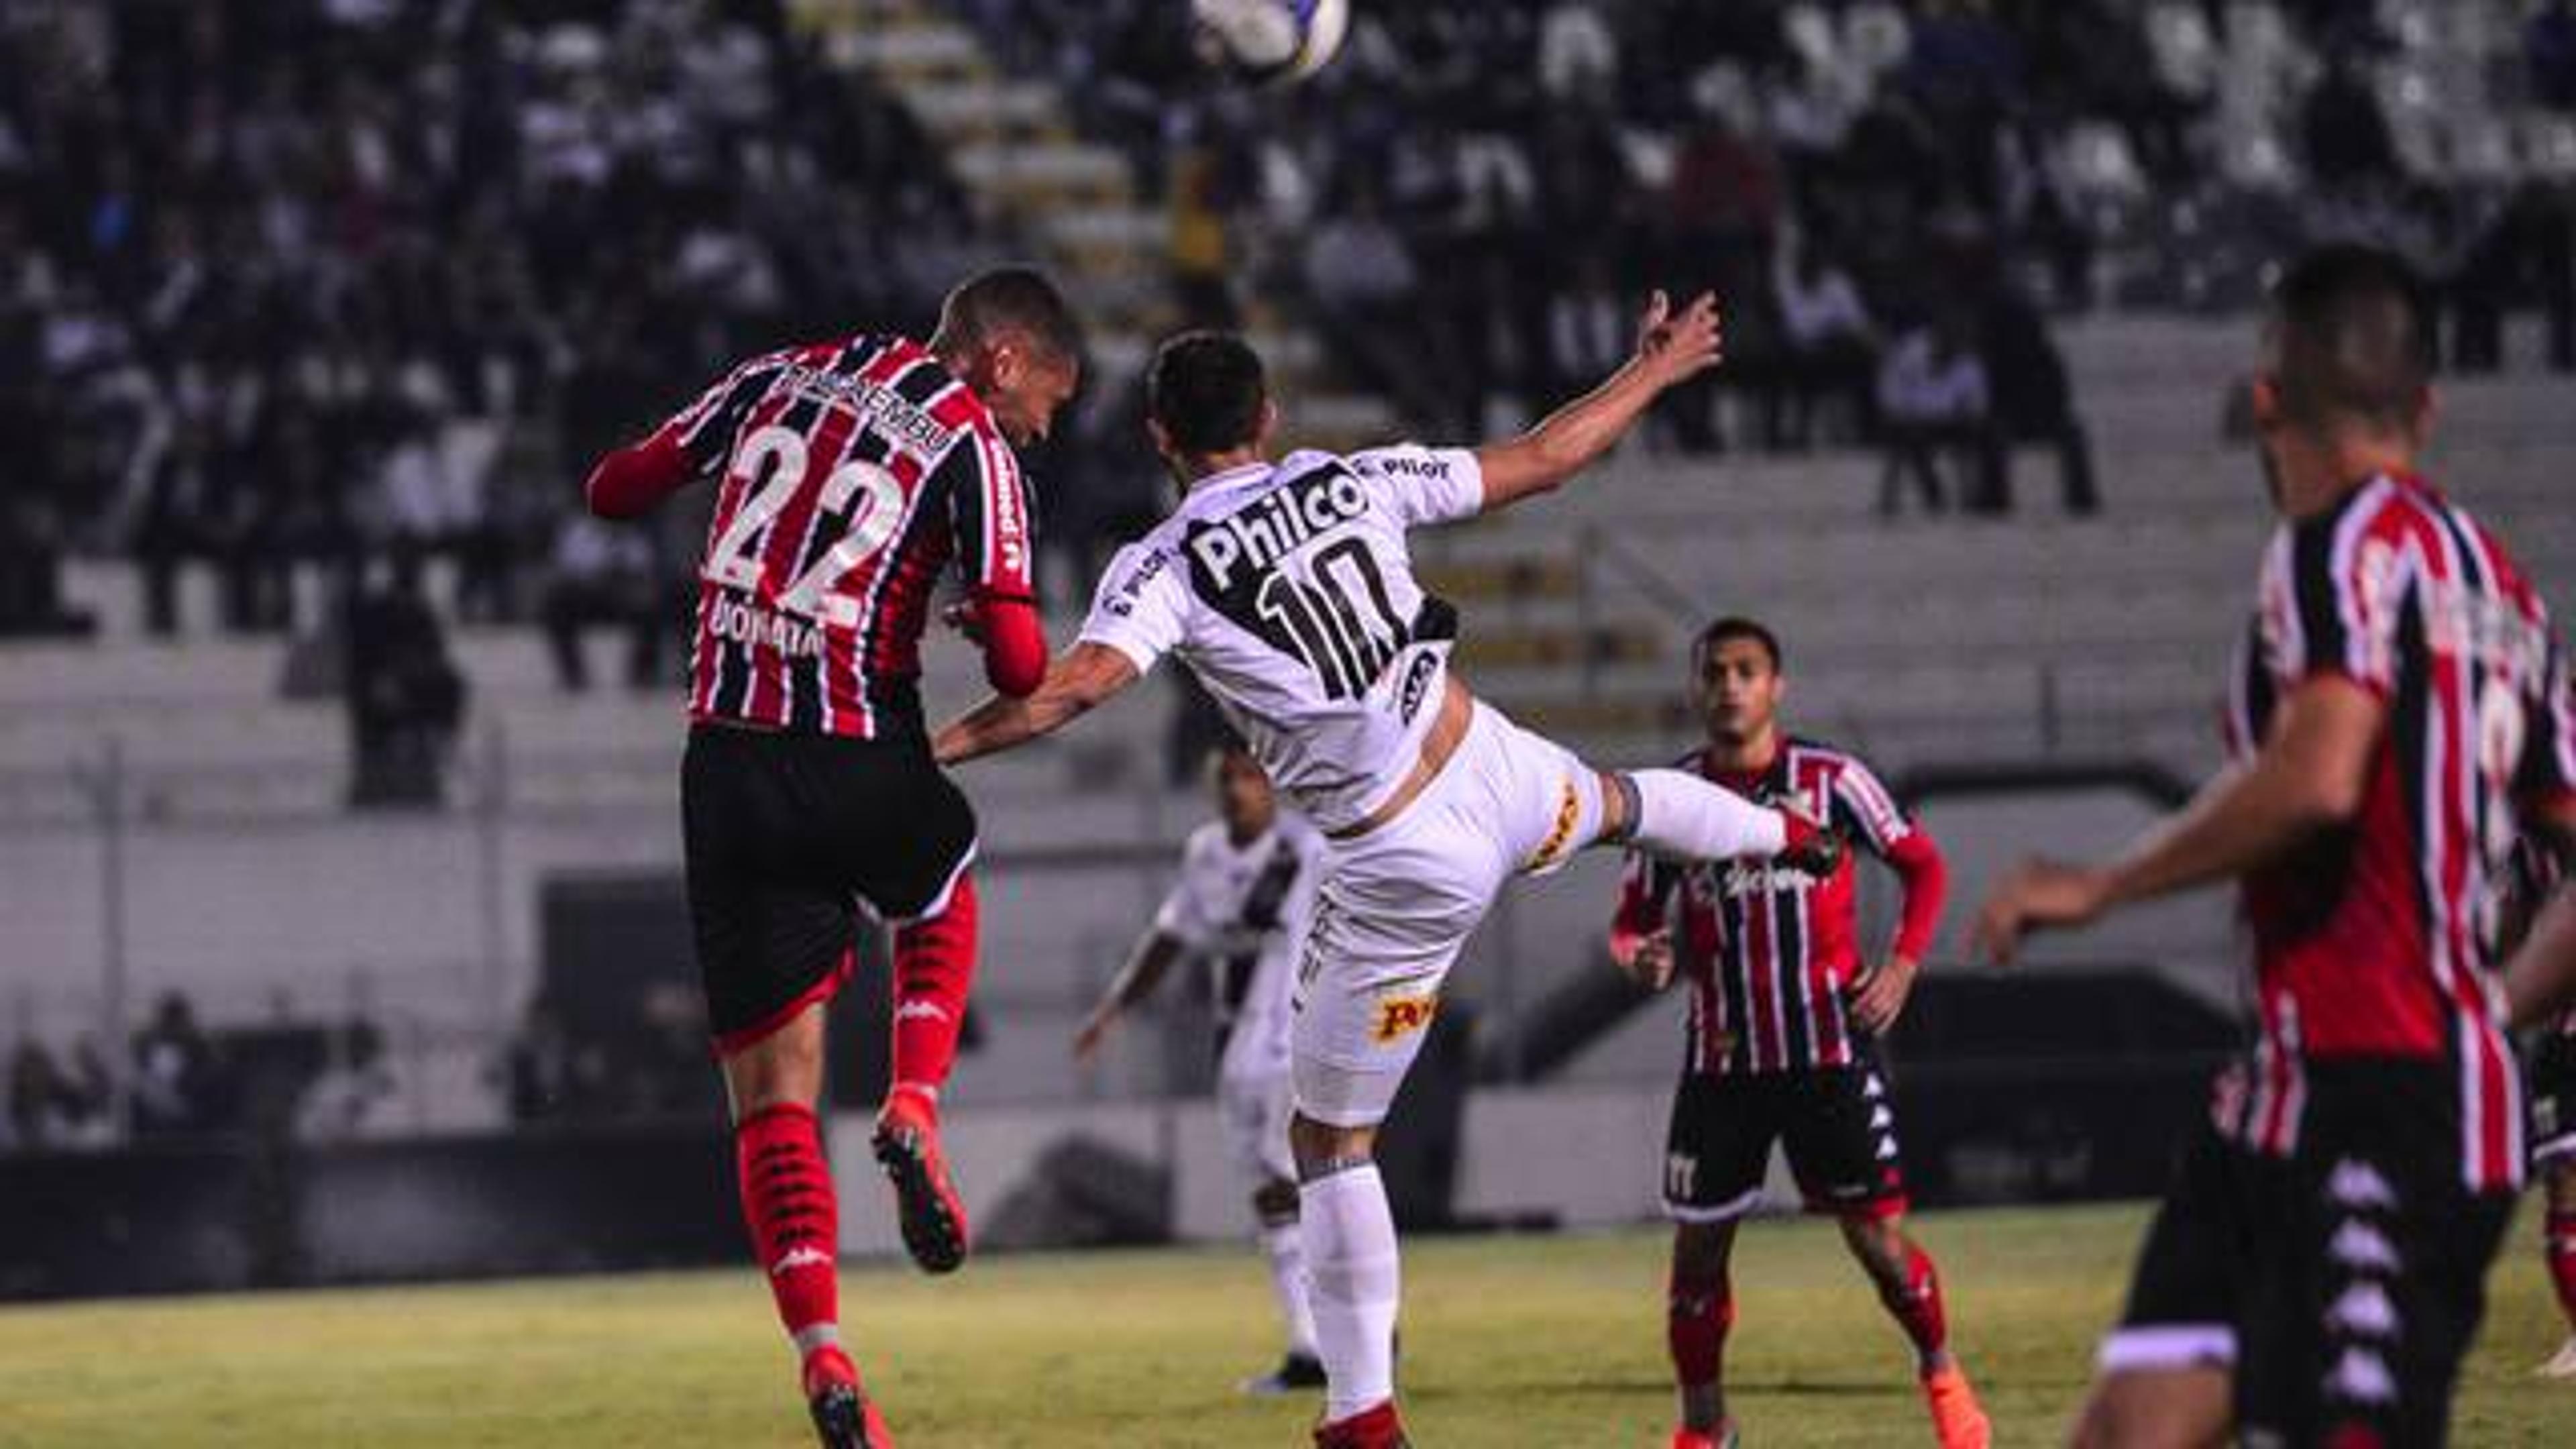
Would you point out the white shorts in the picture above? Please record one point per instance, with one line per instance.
(1397, 904)
(1253, 1111)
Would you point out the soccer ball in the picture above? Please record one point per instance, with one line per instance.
(1270, 41)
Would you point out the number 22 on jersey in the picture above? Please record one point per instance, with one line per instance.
(866, 498)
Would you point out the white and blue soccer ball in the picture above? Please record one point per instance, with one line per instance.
(1271, 41)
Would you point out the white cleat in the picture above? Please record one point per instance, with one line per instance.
(2561, 1367)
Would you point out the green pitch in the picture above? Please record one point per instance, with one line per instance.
(1509, 1341)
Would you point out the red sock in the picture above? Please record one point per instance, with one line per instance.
(1917, 1305)
(1701, 1311)
(795, 1218)
(934, 965)
(2560, 1238)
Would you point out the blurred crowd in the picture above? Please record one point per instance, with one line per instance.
(288, 283)
(1892, 197)
(306, 281)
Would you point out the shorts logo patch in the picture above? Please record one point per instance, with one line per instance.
(2362, 1377)
(2364, 1311)
(1401, 1016)
(2357, 1184)
(1569, 813)
(1681, 1176)
(2363, 1247)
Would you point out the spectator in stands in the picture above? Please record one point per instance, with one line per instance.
(1829, 344)
(1364, 281)
(354, 1091)
(1589, 326)
(2549, 43)
(2344, 131)
(1578, 56)
(49, 1107)
(1932, 398)
(2033, 402)
(406, 696)
(601, 574)
(179, 1080)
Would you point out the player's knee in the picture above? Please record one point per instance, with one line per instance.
(2154, 1411)
(1322, 1148)
(1275, 1202)
(784, 1067)
(1879, 1244)
(1700, 1249)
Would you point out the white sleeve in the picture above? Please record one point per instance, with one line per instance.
(1185, 915)
(1424, 485)
(1142, 607)
(1866, 804)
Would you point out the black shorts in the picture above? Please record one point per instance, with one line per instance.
(1838, 1125)
(2342, 1284)
(2553, 1100)
(786, 834)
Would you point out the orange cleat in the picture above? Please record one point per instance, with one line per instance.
(1957, 1420)
(1374, 1428)
(844, 1416)
(926, 1201)
(1721, 1437)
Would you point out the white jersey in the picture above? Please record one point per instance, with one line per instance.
(1244, 912)
(1287, 589)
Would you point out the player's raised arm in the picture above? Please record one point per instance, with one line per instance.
(627, 482)
(1079, 679)
(1671, 348)
(1145, 969)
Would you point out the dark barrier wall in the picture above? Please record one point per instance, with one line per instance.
(194, 1219)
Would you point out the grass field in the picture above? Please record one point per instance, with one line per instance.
(1509, 1341)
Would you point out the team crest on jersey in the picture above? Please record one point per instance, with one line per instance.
(1401, 1016)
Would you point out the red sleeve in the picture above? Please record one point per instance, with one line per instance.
(630, 480)
(1917, 862)
(1015, 646)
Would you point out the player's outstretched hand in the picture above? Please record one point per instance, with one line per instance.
(1879, 996)
(1676, 346)
(2038, 894)
(1646, 959)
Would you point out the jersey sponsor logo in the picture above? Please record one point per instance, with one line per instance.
(1405, 465)
(1569, 813)
(1401, 1016)
(1274, 526)
(743, 623)
(1123, 602)
(879, 407)
(1745, 880)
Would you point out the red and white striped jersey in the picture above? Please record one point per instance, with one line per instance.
(852, 473)
(2378, 940)
(1769, 949)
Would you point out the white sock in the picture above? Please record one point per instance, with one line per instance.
(1350, 1253)
(1285, 1243)
(1684, 817)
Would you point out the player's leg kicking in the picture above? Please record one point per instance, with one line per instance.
(1399, 900)
(1911, 1289)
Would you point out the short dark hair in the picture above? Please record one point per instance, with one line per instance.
(1010, 299)
(2352, 339)
(1733, 626)
(1207, 390)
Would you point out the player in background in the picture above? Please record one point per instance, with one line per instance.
(851, 475)
(1286, 587)
(1783, 1029)
(2536, 875)
(2400, 717)
(1245, 893)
